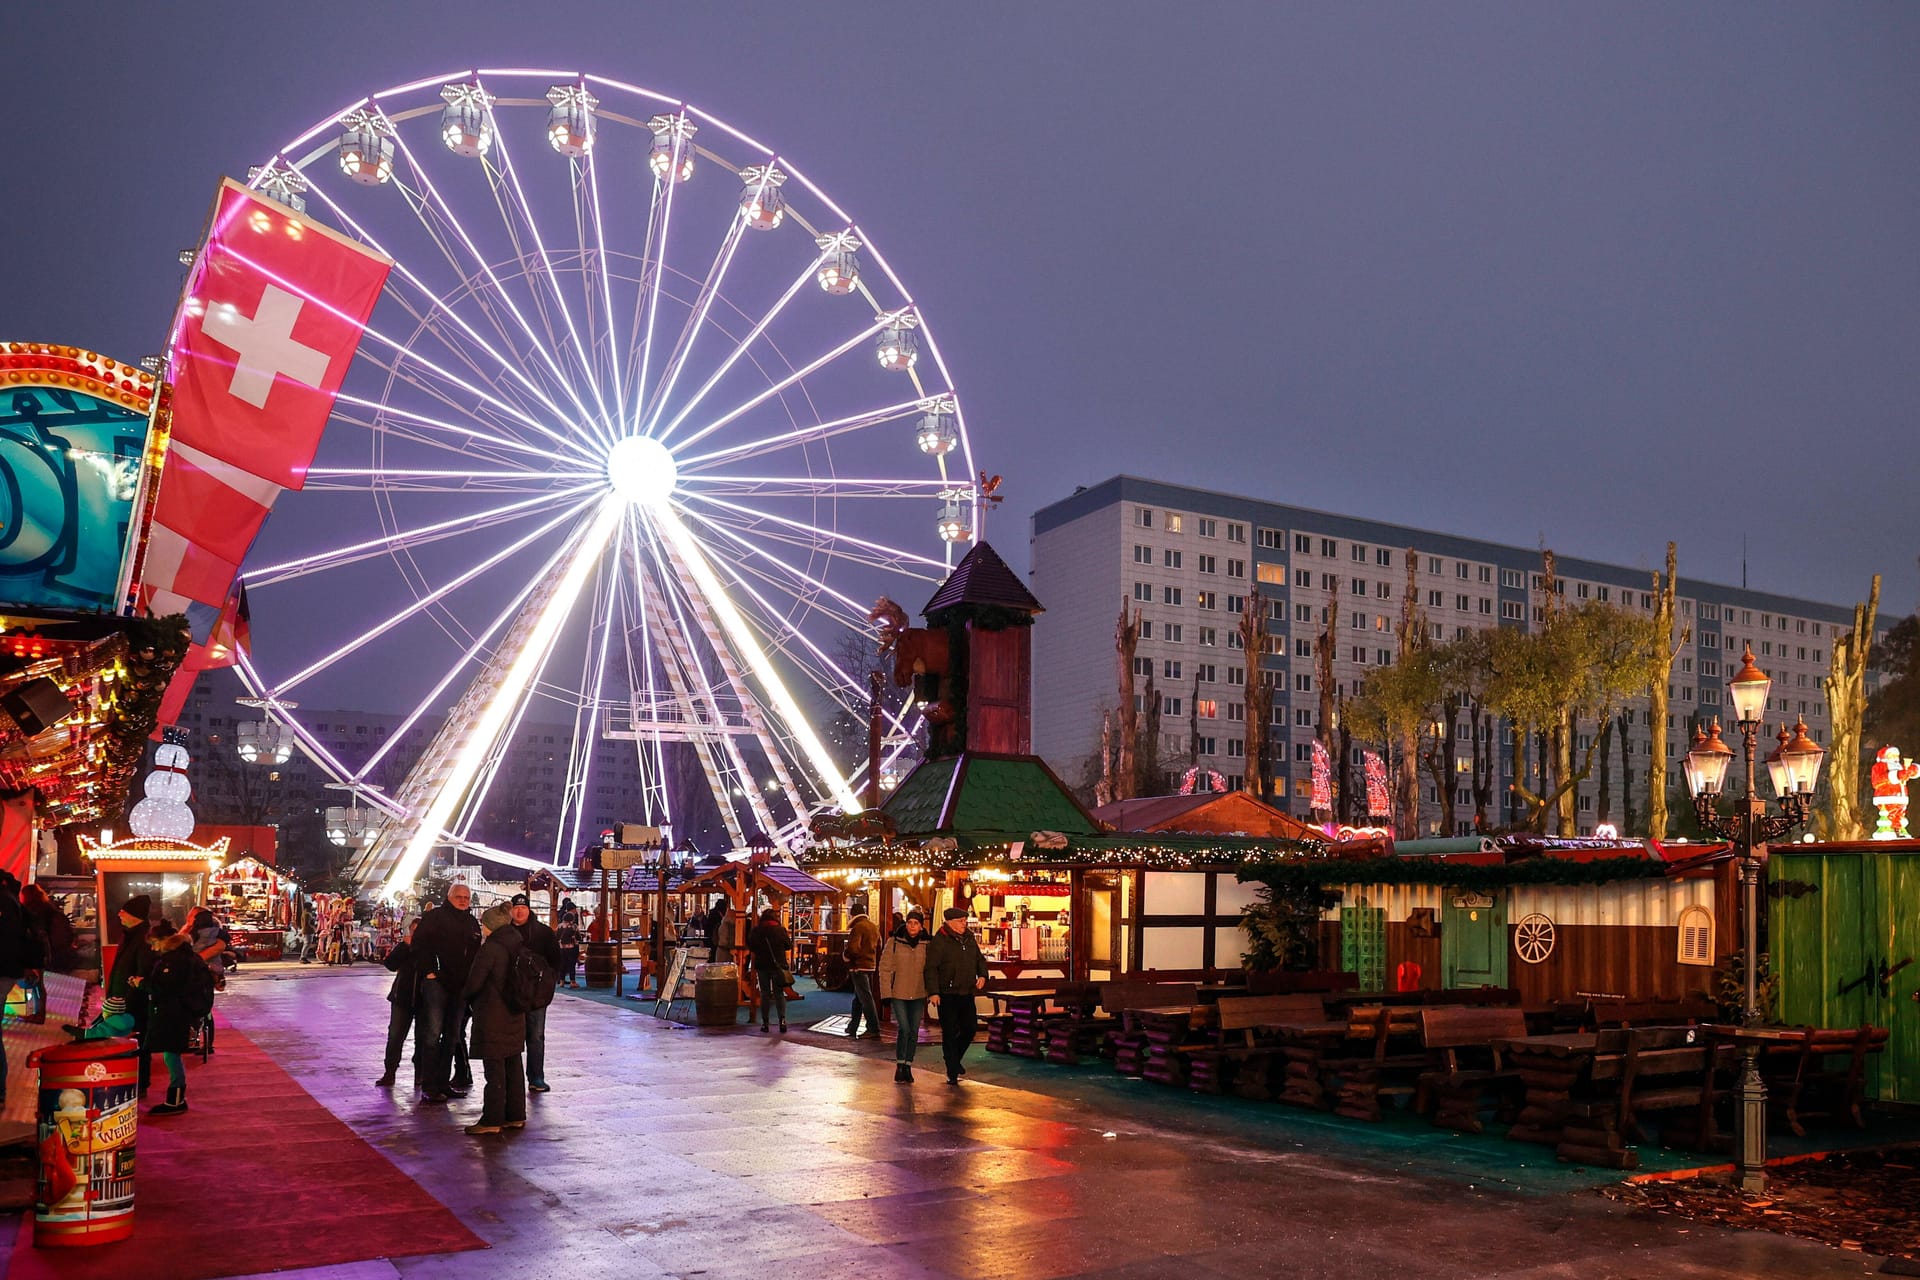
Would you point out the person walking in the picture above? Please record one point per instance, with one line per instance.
(771, 947)
(444, 947)
(903, 982)
(403, 999)
(208, 938)
(955, 970)
(545, 943)
(46, 917)
(499, 1030)
(569, 935)
(863, 957)
(715, 923)
(179, 988)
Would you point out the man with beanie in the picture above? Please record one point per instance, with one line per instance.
(443, 950)
(124, 1009)
(543, 942)
(956, 969)
(863, 958)
(499, 1030)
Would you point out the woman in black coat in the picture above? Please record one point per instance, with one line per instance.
(499, 1033)
(169, 1023)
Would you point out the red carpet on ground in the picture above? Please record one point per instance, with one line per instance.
(256, 1177)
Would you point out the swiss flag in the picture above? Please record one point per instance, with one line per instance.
(271, 319)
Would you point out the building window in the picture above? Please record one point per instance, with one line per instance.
(1236, 675)
(1236, 711)
(1142, 554)
(1236, 532)
(1358, 621)
(1384, 657)
(1358, 586)
(1170, 595)
(1175, 632)
(1206, 708)
(1303, 613)
(1143, 592)
(1486, 572)
(1146, 628)
(1206, 599)
(1329, 548)
(1208, 528)
(1209, 565)
(1234, 641)
(1329, 582)
(1204, 672)
(1383, 556)
(1143, 667)
(1359, 553)
(1236, 603)
(1268, 572)
(1236, 747)
(1203, 746)
(1143, 516)
(1511, 610)
(1271, 539)
(1510, 578)
(1696, 936)
(1171, 669)
(1486, 605)
(1302, 682)
(1238, 569)
(1303, 578)
(1302, 544)
(1208, 636)
(1436, 598)
(1172, 558)
(1383, 590)
(1173, 523)
(1359, 654)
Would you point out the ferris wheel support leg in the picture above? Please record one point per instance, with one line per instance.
(693, 562)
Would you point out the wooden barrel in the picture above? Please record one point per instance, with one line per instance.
(716, 995)
(603, 963)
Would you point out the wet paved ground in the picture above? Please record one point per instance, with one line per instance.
(666, 1151)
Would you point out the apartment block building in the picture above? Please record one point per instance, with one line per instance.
(1187, 558)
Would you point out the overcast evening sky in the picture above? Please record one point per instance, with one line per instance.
(1588, 275)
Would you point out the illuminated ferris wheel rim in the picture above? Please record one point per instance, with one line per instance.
(619, 471)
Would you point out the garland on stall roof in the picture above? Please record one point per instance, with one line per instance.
(1286, 877)
(946, 853)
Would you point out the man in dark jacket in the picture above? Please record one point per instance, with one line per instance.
(444, 947)
(402, 1000)
(499, 1031)
(955, 971)
(125, 1003)
(863, 959)
(543, 942)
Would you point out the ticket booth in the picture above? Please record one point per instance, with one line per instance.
(171, 873)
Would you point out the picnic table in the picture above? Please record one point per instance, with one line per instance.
(1810, 1071)
(1587, 1093)
(1018, 1022)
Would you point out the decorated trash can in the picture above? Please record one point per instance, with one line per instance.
(88, 1110)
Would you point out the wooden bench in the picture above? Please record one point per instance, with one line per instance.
(1636, 1072)
(1388, 1062)
(1125, 1040)
(1465, 1065)
(1239, 1053)
(1826, 1066)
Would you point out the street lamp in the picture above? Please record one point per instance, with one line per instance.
(1793, 767)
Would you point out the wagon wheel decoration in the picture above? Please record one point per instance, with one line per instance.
(1533, 937)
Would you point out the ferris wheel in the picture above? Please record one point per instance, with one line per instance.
(640, 428)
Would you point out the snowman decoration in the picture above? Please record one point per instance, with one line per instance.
(164, 812)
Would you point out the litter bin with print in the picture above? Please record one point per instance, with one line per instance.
(88, 1111)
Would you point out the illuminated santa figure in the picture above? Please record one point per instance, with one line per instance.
(1891, 775)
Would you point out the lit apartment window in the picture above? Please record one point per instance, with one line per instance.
(1174, 522)
(1268, 572)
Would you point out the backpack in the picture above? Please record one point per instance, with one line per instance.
(529, 983)
(196, 992)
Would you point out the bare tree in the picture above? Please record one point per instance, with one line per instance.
(1253, 642)
(1841, 816)
(1328, 729)
(1657, 708)
(1126, 639)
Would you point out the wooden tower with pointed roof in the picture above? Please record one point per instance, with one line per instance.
(987, 613)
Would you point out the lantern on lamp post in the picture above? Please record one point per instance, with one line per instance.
(1794, 768)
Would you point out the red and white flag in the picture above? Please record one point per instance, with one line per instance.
(271, 320)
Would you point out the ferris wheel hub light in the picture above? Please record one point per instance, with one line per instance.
(642, 471)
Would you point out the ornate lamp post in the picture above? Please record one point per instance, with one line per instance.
(1793, 767)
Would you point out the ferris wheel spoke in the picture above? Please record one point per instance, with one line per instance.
(589, 710)
(800, 584)
(637, 619)
(741, 347)
(828, 486)
(612, 341)
(653, 273)
(425, 602)
(438, 309)
(408, 480)
(525, 207)
(796, 376)
(444, 211)
(797, 438)
(654, 402)
(891, 557)
(420, 535)
(410, 419)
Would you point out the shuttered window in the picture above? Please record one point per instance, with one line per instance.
(1696, 936)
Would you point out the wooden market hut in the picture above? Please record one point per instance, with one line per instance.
(985, 823)
(1557, 919)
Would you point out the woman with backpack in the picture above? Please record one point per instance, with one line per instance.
(771, 947)
(494, 989)
(179, 989)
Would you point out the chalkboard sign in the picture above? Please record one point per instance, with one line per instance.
(679, 973)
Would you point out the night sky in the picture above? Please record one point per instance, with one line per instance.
(1593, 276)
